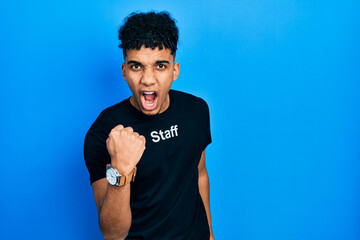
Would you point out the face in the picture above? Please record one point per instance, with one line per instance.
(149, 74)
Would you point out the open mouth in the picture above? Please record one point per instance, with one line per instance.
(148, 100)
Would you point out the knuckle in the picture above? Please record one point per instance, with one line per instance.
(117, 128)
(130, 129)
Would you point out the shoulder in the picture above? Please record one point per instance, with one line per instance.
(112, 113)
(188, 100)
(108, 118)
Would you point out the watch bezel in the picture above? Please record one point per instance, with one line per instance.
(112, 176)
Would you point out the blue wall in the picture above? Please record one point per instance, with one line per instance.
(282, 79)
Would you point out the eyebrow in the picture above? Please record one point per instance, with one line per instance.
(162, 61)
(134, 62)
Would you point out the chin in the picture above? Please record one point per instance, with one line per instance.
(150, 113)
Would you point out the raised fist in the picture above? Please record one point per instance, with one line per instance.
(125, 148)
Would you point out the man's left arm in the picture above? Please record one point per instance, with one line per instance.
(205, 190)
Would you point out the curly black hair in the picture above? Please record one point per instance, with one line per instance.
(150, 29)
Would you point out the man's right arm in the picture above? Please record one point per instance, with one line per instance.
(125, 148)
(113, 204)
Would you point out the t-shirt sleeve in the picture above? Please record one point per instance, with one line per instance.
(96, 154)
(206, 125)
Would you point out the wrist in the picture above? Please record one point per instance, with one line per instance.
(121, 167)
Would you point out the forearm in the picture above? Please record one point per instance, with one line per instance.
(204, 189)
(115, 212)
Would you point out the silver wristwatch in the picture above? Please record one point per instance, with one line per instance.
(115, 179)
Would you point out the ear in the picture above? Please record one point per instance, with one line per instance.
(123, 67)
(176, 70)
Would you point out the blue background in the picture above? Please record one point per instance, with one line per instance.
(282, 79)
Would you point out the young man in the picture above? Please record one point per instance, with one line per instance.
(146, 154)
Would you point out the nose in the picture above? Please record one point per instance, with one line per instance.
(148, 77)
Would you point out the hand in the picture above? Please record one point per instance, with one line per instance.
(125, 148)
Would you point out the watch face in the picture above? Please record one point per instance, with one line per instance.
(111, 176)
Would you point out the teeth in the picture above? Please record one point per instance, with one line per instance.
(148, 93)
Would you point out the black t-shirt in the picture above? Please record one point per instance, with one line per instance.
(165, 200)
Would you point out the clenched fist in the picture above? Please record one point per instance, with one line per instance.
(125, 148)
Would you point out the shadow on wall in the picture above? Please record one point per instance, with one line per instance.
(105, 89)
(108, 84)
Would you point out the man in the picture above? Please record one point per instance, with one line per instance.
(146, 154)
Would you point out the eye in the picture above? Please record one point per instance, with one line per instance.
(161, 66)
(135, 67)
